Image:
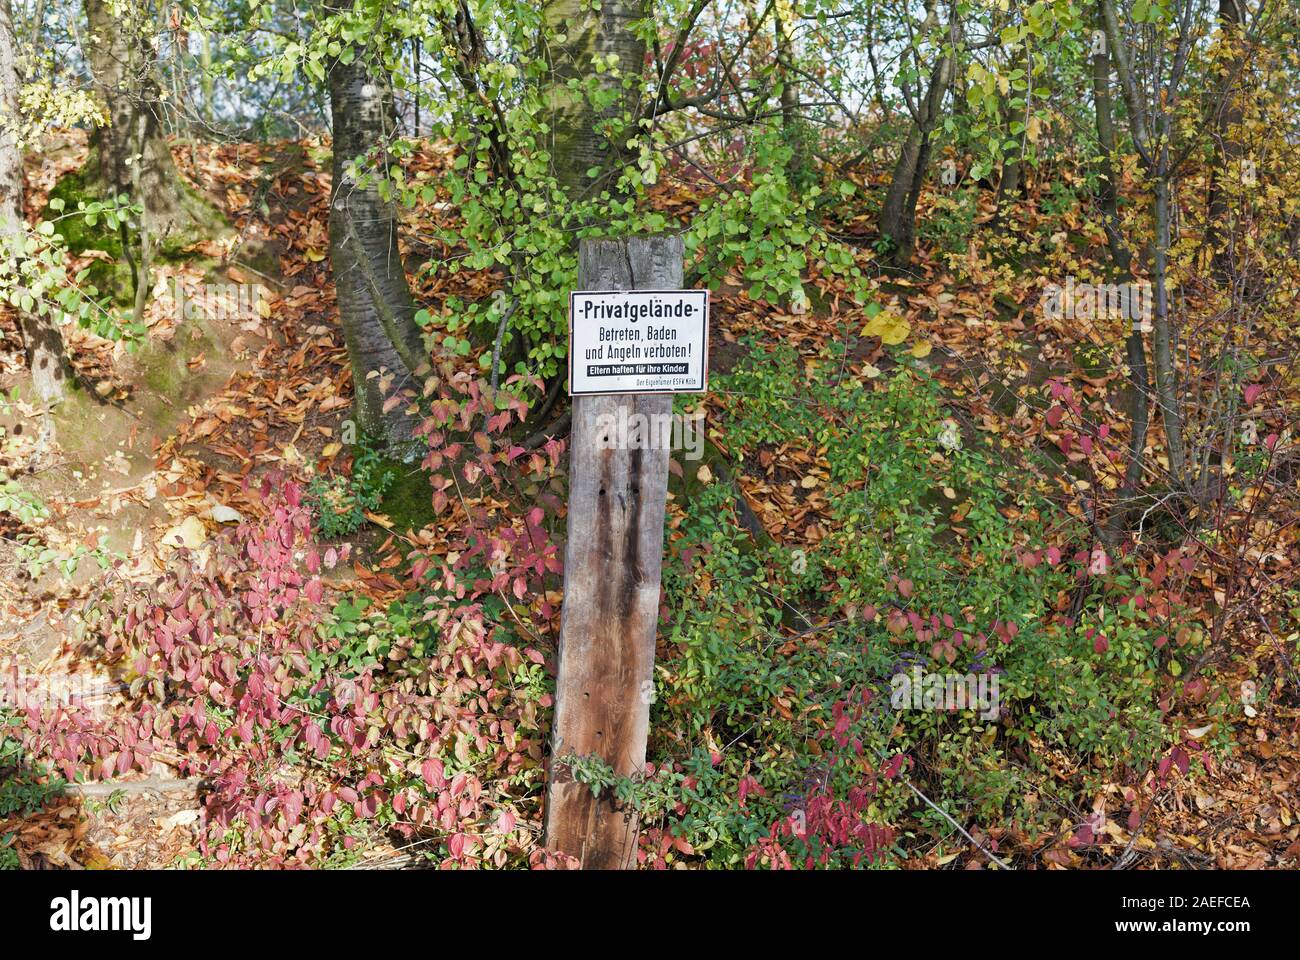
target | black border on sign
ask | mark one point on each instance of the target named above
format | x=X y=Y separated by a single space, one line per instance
x=704 y=381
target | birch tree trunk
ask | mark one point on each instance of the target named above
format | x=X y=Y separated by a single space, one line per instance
x=42 y=340
x=792 y=125
x=375 y=306
x=584 y=137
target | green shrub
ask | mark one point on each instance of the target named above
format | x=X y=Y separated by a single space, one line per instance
x=25 y=787
x=339 y=504
x=779 y=664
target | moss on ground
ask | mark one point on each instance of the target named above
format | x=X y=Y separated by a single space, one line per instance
x=408 y=501
x=112 y=276
x=88 y=426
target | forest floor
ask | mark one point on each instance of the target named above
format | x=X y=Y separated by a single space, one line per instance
x=162 y=444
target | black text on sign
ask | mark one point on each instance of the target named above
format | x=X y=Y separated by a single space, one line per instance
x=638 y=341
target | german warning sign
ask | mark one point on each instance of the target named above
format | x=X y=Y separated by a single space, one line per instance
x=638 y=341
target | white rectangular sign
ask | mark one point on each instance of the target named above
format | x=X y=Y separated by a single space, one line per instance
x=638 y=341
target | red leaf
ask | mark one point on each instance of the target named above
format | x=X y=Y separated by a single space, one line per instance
x=431 y=770
x=456 y=845
x=367 y=808
x=747 y=786
x=1098 y=562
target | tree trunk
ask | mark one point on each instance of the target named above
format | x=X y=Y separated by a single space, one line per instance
x=208 y=109
x=375 y=306
x=580 y=141
x=898 y=215
x=1227 y=126
x=584 y=139
x=1166 y=370
x=42 y=340
x=1009 y=180
x=1122 y=259
x=132 y=151
x=897 y=223
x=792 y=125
x=1152 y=143
x=1107 y=194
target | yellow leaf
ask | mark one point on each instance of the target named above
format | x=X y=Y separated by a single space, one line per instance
x=889 y=327
x=921 y=349
x=808 y=482
x=314 y=255
x=331 y=449
x=190 y=533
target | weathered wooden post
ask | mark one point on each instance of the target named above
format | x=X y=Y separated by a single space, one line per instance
x=617 y=494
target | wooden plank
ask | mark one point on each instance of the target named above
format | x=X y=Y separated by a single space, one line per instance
x=612 y=566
